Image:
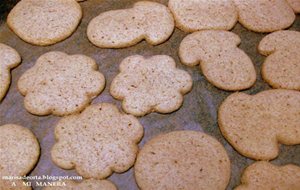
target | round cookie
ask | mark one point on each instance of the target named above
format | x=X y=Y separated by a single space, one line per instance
x=265 y=15
x=88 y=184
x=126 y=27
x=19 y=152
x=182 y=160
x=44 y=22
x=194 y=15
x=9 y=58
x=60 y=84
x=281 y=68
x=151 y=84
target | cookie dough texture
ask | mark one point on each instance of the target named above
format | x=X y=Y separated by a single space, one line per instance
x=265 y=15
x=281 y=68
x=88 y=184
x=151 y=84
x=60 y=84
x=221 y=61
x=97 y=142
x=264 y=175
x=9 y=58
x=255 y=124
x=194 y=15
x=182 y=160
x=126 y=27
x=295 y=4
x=44 y=22
x=19 y=152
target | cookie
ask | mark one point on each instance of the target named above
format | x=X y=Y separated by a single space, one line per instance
x=19 y=152
x=97 y=142
x=44 y=22
x=88 y=184
x=182 y=160
x=221 y=61
x=281 y=68
x=126 y=27
x=264 y=175
x=295 y=4
x=9 y=58
x=265 y=15
x=151 y=84
x=191 y=16
x=60 y=84
x=255 y=124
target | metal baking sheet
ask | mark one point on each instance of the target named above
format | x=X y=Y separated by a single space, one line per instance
x=199 y=110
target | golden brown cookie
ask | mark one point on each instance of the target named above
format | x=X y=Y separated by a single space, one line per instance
x=264 y=175
x=281 y=68
x=151 y=84
x=9 y=58
x=255 y=124
x=60 y=84
x=221 y=61
x=182 y=160
x=44 y=22
x=97 y=142
x=126 y=27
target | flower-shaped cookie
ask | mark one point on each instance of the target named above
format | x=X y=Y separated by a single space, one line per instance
x=60 y=84
x=9 y=58
x=97 y=142
x=264 y=175
x=255 y=125
x=221 y=61
x=281 y=68
x=152 y=84
x=122 y=28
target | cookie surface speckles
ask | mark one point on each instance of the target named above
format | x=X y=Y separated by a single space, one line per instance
x=221 y=61
x=44 y=22
x=295 y=4
x=126 y=27
x=281 y=68
x=97 y=142
x=150 y=84
x=255 y=125
x=19 y=152
x=60 y=84
x=9 y=58
x=264 y=175
x=265 y=15
x=194 y=15
x=182 y=160
x=88 y=184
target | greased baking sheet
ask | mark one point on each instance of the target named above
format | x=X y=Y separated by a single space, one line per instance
x=199 y=110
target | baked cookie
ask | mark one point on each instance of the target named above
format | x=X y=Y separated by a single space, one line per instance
x=150 y=84
x=295 y=4
x=97 y=142
x=194 y=15
x=19 y=152
x=265 y=15
x=182 y=160
x=255 y=125
x=281 y=68
x=60 y=84
x=88 y=184
x=126 y=27
x=264 y=175
x=44 y=22
x=9 y=58
x=221 y=61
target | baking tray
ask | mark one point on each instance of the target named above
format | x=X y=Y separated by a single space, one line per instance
x=199 y=110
